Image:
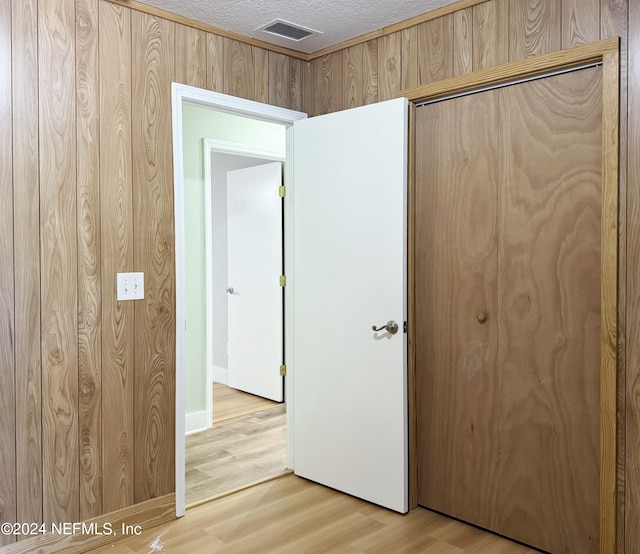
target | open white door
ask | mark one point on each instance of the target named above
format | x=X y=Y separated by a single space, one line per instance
x=349 y=197
x=254 y=214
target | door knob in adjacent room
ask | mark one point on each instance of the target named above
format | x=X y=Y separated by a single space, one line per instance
x=230 y=290
x=391 y=327
x=482 y=317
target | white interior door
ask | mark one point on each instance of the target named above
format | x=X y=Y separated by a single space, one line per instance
x=349 y=197
x=254 y=212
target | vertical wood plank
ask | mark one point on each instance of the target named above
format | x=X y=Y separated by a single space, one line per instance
x=435 y=49
x=490 y=34
x=298 y=71
x=215 y=62
x=370 y=72
x=409 y=57
x=191 y=56
x=352 y=67
x=457 y=375
x=7 y=364
x=580 y=22
x=261 y=74
x=632 y=492
x=58 y=243
x=26 y=206
x=551 y=310
x=279 y=79
x=463 y=41
x=327 y=83
x=534 y=28
x=239 y=76
x=389 y=66
x=154 y=385
x=89 y=293
x=614 y=21
x=116 y=215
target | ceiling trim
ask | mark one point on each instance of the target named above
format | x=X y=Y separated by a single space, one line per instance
x=170 y=16
x=385 y=31
x=401 y=26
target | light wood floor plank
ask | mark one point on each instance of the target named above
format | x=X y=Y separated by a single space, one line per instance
x=229 y=403
x=246 y=444
x=292 y=515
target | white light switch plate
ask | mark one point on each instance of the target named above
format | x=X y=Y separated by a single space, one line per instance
x=130 y=286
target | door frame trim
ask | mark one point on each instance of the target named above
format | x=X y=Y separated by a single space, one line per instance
x=181 y=94
x=605 y=53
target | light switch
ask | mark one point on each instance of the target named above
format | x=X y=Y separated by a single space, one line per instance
x=130 y=286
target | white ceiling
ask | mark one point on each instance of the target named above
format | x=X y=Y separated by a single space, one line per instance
x=338 y=20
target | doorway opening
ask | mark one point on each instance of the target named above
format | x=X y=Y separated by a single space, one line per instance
x=245 y=132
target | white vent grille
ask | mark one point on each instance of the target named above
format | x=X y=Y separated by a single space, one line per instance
x=287 y=30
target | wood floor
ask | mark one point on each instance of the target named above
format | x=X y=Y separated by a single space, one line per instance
x=292 y=515
x=246 y=444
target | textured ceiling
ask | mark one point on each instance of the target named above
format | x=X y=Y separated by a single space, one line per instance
x=338 y=20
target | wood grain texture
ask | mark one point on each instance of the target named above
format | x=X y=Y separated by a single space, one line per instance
x=490 y=34
x=360 y=75
x=409 y=58
x=580 y=22
x=89 y=275
x=7 y=317
x=117 y=244
x=614 y=21
x=463 y=41
x=261 y=75
x=389 y=66
x=456 y=355
x=435 y=49
x=298 y=72
x=191 y=56
x=59 y=255
x=550 y=309
x=154 y=330
x=215 y=62
x=26 y=255
x=146 y=515
x=609 y=308
x=239 y=76
x=534 y=28
x=292 y=515
x=326 y=84
x=279 y=80
x=632 y=484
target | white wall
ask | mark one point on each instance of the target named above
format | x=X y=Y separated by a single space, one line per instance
x=200 y=123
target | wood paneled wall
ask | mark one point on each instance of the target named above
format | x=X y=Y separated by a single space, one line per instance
x=87 y=384
x=490 y=33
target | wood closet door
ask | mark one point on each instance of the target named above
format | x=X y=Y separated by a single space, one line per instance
x=535 y=403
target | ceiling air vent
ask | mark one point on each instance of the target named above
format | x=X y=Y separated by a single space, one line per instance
x=287 y=30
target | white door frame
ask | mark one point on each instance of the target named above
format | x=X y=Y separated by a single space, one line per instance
x=255 y=110
x=223 y=147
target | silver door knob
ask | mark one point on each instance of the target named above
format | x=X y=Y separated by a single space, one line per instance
x=391 y=327
x=230 y=290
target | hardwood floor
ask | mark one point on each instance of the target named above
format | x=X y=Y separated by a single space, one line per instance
x=229 y=403
x=246 y=444
x=292 y=515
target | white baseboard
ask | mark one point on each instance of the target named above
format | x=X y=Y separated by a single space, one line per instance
x=221 y=375
x=196 y=422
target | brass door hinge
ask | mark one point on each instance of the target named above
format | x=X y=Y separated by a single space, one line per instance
x=283 y=370
x=282 y=191
x=283 y=280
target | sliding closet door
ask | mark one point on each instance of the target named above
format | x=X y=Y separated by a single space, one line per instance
x=456 y=306
x=508 y=202
x=549 y=295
